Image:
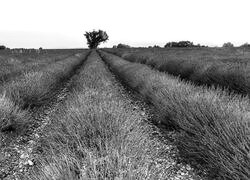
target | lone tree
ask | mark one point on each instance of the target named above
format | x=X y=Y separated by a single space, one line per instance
x=94 y=38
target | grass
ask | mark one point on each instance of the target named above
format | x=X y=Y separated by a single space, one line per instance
x=213 y=127
x=33 y=89
x=98 y=133
x=226 y=68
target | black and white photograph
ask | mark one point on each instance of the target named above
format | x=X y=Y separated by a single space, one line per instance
x=125 y=90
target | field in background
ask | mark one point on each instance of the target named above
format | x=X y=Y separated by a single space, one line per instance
x=16 y=62
x=227 y=68
x=176 y=113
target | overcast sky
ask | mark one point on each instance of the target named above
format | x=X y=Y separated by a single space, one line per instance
x=61 y=23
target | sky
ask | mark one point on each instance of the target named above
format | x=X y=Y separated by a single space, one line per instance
x=62 y=23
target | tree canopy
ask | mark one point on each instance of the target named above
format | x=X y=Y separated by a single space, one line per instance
x=94 y=38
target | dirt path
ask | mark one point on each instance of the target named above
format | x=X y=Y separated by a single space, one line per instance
x=16 y=155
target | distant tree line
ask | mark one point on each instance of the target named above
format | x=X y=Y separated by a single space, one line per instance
x=231 y=45
x=155 y=46
x=245 y=45
x=23 y=50
x=121 y=46
x=191 y=44
x=182 y=44
x=228 y=45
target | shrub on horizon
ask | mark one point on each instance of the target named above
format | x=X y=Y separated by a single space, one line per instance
x=156 y=46
x=228 y=45
x=180 y=44
x=2 y=47
x=123 y=46
x=245 y=45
